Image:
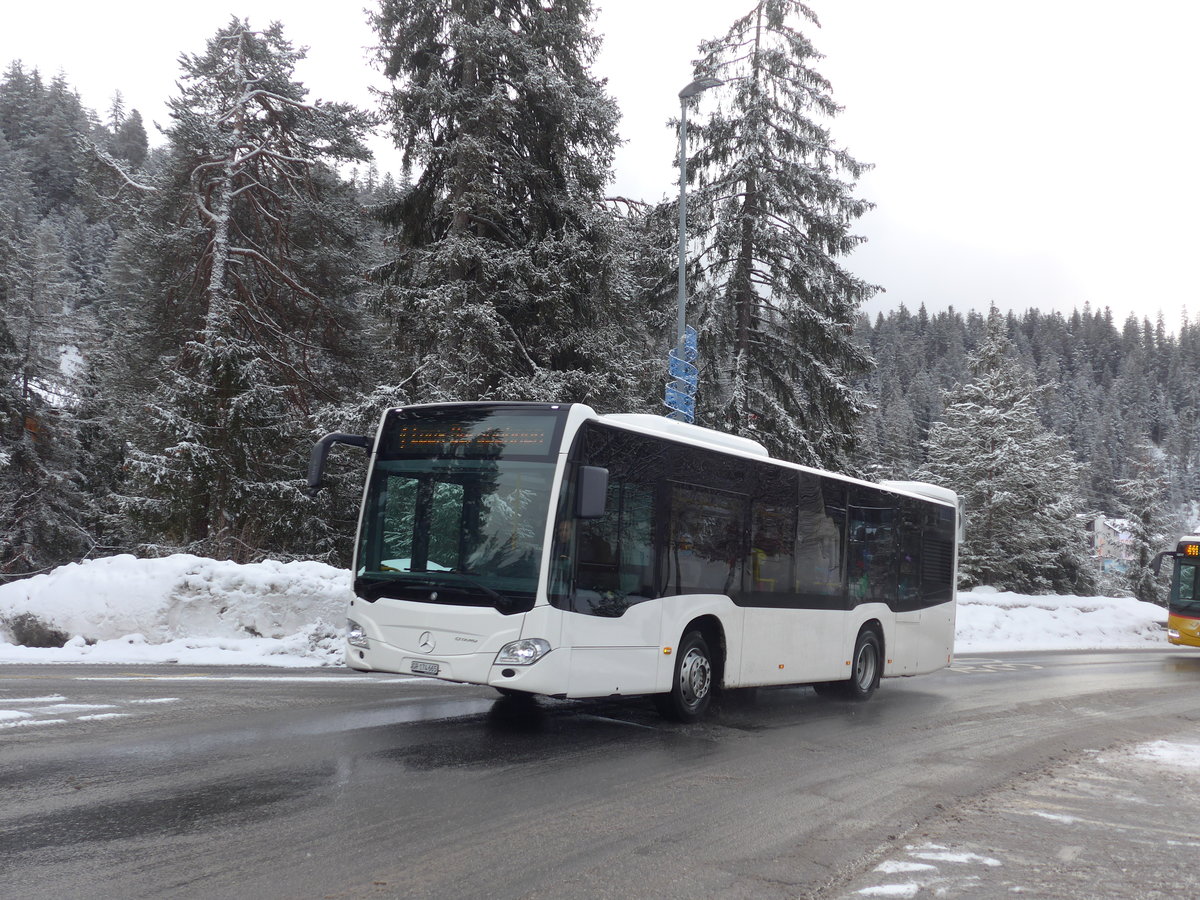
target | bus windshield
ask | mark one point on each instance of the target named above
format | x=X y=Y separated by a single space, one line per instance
x=1185 y=589
x=456 y=507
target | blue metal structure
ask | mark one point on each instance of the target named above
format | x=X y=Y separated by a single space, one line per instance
x=681 y=389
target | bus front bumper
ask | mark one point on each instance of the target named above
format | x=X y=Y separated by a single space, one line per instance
x=1183 y=631
x=548 y=675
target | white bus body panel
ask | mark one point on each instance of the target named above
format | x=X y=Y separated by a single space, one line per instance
x=614 y=655
x=629 y=654
x=679 y=612
x=594 y=656
x=781 y=646
x=902 y=642
x=919 y=641
x=936 y=637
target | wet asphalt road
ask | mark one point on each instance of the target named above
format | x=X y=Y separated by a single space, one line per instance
x=182 y=782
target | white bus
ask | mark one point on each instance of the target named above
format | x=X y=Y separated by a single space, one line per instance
x=545 y=549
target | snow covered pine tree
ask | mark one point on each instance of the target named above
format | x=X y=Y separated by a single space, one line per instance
x=247 y=291
x=509 y=277
x=773 y=307
x=1018 y=479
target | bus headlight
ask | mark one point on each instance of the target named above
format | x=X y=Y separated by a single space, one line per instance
x=522 y=653
x=355 y=636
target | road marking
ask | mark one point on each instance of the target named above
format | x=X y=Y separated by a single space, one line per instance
x=51 y=698
x=20 y=723
x=200 y=676
x=613 y=721
x=974 y=666
x=50 y=709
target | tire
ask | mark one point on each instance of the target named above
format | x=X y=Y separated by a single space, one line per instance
x=692 y=685
x=865 y=670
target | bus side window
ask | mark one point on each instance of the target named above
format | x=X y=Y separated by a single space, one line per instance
x=908 y=584
x=596 y=551
x=772 y=533
x=873 y=557
x=937 y=556
x=820 y=534
x=637 y=541
x=706 y=547
x=615 y=553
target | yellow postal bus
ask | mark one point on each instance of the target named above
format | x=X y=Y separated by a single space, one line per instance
x=1183 y=607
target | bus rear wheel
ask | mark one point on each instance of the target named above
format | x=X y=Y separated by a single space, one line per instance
x=866 y=667
x=692 y=686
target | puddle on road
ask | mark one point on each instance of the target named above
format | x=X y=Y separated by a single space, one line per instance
x=234 y=801
x=1182 y=665
x=518 y=731
x=515 y=731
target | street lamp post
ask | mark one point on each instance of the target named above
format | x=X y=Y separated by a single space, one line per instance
x=681 y=387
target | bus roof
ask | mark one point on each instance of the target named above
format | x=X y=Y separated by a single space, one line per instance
x=932 y=491
x=718 y=440
x=688 y=431
x=1189 y=545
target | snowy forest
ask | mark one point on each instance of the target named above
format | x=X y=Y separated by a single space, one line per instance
x=180 y=318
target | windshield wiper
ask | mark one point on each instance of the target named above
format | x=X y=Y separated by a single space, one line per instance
x=499 y=601
x=372 y=590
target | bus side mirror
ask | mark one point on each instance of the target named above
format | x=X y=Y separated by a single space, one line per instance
x=1158 y=560
x=320 y=450
x=591 y=492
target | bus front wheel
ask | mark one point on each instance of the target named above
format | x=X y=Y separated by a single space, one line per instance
x=866 y=667
x=692 y=685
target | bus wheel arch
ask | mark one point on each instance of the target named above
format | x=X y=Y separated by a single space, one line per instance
x=877 y=627
x=698 y=671
x=866 y=666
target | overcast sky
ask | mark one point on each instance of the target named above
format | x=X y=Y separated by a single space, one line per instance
x=1031 y=153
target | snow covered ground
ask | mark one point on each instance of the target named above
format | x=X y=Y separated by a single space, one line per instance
x=195 y=611
x=184 y=609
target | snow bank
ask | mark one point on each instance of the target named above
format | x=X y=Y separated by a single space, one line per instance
x=195 y=611
x=991 y=621
x=181 y=608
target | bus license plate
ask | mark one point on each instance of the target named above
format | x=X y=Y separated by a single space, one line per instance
x=424 y=668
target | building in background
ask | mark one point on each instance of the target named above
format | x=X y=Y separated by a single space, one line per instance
x=1112 y=543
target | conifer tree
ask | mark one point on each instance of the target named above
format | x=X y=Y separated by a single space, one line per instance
x=17 y=219
x=43 y=511
x=1151 y=526
x=129 y=140
x=1018 y=479
x=774 y=306
x=507 y=279
x=249 y=272
x=51 y=255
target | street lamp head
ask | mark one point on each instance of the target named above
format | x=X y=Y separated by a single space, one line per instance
x=700 y=84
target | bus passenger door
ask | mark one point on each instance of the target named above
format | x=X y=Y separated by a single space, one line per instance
x=612 y=624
